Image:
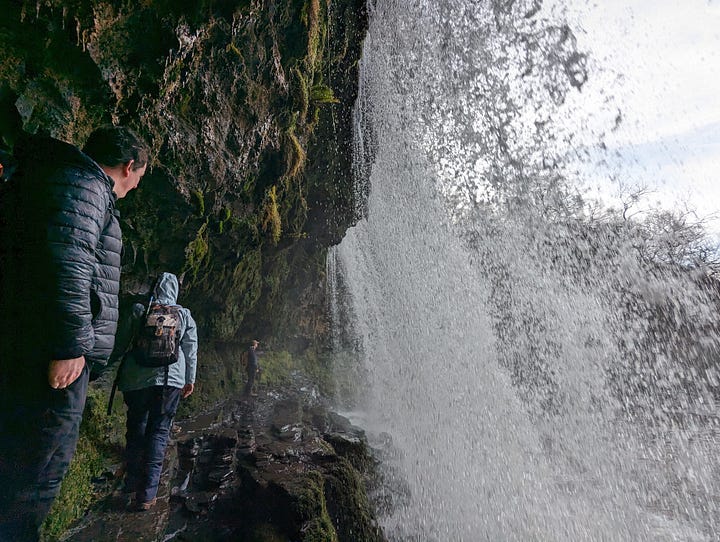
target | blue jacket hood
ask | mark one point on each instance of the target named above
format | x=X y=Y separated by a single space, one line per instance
x=134 y=376
x=166 y=291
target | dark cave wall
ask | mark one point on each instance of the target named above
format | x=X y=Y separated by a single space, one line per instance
x=247 y=107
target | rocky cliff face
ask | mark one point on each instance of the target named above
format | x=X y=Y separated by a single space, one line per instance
x=247 y=106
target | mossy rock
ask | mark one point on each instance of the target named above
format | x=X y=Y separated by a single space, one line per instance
x=309 y=508
x=348 y=505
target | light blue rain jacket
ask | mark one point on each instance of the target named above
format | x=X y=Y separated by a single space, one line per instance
x=135 y=377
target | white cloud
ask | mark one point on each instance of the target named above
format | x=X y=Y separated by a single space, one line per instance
x=660 y=65
x=669 y=55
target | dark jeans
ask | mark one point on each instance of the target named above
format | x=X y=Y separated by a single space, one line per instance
x=38 y=435
x=149 y=418
x=252 y=372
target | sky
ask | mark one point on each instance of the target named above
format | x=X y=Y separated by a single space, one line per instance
x=659 y=65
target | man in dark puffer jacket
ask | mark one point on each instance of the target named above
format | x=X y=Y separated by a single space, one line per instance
x=60 y=280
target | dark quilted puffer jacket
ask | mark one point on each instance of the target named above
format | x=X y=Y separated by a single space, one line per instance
x=63 y=272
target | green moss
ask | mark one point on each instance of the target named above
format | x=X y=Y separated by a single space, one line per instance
x=296 y=156
x=231 y=47
x=277 y=368
x=220 y=375
x=321 y=94
x=248 y=185
x=76 y=493
x=301 y=93
x=299 y=217
x=311 y=507
x=197 y=252
x=106 y=432
x=316 y=117
x=100 y=444
x=199 y=202
x=319 y=367
x=275 y=280
x=225 y=219
x=245 y=281
x=271 y=222
x=246 y=278
x=348 y=504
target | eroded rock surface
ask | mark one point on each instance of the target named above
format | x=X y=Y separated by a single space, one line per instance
x=275 y=467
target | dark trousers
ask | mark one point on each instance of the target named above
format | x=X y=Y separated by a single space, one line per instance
x=38 y=435
x=251 y=372
x=149 y=419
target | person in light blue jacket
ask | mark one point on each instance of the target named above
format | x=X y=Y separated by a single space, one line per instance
x=152 y=396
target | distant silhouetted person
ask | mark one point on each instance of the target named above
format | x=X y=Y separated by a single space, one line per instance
x=60 y=250
x=252 y=368
x=158 y=369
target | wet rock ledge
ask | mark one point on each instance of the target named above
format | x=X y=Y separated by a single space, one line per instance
x=278 y=467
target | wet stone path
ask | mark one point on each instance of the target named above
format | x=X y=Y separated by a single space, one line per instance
x=276 y=467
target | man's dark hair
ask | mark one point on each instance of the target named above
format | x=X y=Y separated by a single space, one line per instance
x=115 y=145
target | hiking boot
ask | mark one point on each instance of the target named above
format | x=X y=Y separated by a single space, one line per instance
x=145 y=506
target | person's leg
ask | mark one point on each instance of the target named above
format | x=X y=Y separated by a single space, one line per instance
x=44 y=437
x=61 y=435
x=250 y=381
x=138 y=407
x=16 y=477
x=163 y=407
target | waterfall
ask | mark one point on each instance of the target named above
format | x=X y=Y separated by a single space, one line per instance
x=545 y=368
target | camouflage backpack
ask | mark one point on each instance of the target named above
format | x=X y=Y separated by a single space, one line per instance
x=157 y=342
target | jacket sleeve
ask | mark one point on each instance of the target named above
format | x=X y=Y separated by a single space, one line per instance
x=78 y=204
x=189 y=345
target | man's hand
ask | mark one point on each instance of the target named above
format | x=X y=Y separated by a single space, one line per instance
x=63 y=372
x=187 y=390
